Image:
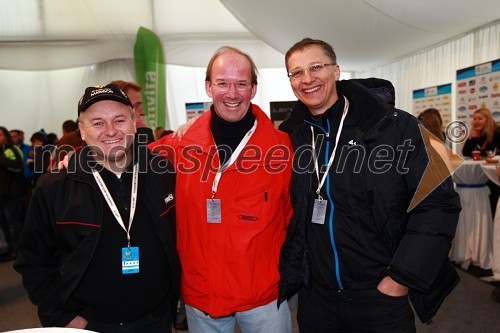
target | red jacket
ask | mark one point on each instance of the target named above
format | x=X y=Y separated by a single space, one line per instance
x=233 y=265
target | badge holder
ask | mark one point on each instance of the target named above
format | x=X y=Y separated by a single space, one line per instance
x=319 y=211
x=130 y=260
x=214 y=210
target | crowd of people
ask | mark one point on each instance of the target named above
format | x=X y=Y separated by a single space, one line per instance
x=21 y=165
x=232 y=216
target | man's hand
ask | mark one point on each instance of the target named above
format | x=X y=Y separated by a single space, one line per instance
x=77 y=322
x=63 y=164
x=179 y=132
x=391 y=288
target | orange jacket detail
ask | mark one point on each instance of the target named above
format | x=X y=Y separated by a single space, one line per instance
x=233 y=265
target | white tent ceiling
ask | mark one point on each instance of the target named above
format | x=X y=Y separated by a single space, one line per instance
x=364 y=33
x=55 y=34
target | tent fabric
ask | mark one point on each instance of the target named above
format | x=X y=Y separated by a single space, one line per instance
x=364 y=33
x=438 y=65
x=58 y=34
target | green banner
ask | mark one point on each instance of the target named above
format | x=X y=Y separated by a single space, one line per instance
x=150 y=74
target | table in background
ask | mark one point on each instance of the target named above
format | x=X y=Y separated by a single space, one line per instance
x=473 y=238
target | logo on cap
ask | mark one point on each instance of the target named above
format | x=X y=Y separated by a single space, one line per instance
x=101 y=91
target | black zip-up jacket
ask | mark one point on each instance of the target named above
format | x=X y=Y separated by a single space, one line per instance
x=63 y=226
x=12 y=184
x=371 y=223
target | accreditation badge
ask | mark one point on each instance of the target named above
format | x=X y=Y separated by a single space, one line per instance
x=213 y=211
x=319 y=211
x=130 y=260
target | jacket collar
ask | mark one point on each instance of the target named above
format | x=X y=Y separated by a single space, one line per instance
x=367 y=109
x=199 y=136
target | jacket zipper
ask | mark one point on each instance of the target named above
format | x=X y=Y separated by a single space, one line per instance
x=331 y=205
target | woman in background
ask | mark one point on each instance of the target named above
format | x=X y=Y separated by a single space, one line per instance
x=484 y=136
x=431 y=119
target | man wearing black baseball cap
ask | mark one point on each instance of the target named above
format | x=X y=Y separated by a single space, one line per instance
x=101 y=93
x=98 y=246
x=107 y=125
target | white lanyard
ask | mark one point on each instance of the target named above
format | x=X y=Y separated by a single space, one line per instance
x=330 y=162
x=111 y=202
x=233 y=158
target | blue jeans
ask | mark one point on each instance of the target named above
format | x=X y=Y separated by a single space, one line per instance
x=263 y=319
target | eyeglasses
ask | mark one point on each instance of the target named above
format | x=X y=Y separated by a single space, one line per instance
x=240 y=85
x=299 y=72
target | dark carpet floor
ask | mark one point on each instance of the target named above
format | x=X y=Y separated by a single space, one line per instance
x=468 y=309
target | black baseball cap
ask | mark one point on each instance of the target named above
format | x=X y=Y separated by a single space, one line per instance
x=101 y=93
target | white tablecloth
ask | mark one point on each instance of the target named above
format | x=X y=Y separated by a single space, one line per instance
x=490 y=170
x=473 y=239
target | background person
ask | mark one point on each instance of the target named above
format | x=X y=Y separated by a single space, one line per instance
x=158 y=131
x=52 y=139
x=29 y=175
x=484 y=135
x=12 y=191
x=18 y=139
x=69 y=142
x=352 y=242
x=144 y=133
x=432 y=121
x=39 y=162
x=165 y=133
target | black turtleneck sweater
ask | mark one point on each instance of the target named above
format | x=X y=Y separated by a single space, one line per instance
x=228 y=135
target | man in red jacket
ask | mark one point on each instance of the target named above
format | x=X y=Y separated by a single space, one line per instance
x=233 y=206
